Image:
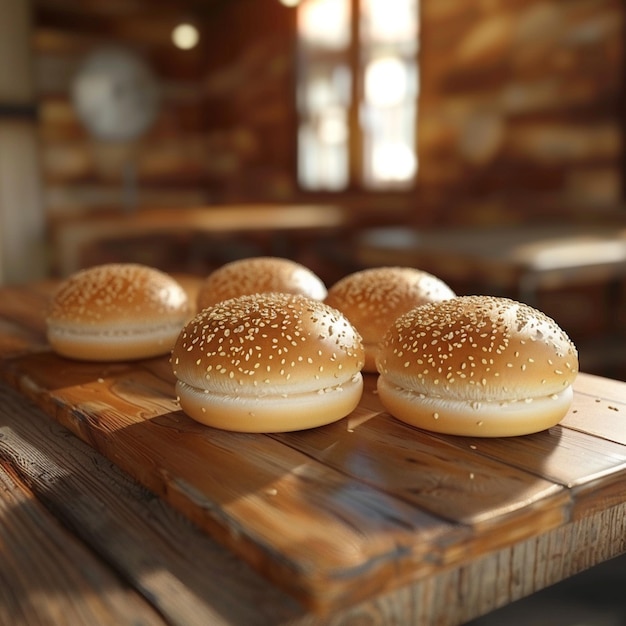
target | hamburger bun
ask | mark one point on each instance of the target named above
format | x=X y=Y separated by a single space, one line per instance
x=479 y=366
x=259 y=275
x=372 y=299
x=116 y=312
x=268 y=363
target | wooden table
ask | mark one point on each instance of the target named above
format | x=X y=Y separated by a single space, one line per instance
x=516 y=259
x=73 y=235
x=115 y=508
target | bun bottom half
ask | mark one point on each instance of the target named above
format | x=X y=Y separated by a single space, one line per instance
x=270 y=413
x=113 y=346
x=474 y=419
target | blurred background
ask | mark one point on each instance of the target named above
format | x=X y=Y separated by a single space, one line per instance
x=480 y=140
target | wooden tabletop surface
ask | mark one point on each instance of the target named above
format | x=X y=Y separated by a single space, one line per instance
x=146 y=517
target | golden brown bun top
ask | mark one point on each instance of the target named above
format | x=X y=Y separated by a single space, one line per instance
x=264 y=343
x=373 y=298
x=259 y=275
x=118 y=294
x=478 y=348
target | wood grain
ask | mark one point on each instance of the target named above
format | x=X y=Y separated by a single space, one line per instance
x=424 y=470
x=171 y=563
x=189 y=579
x=39 y=573
x=600 y=408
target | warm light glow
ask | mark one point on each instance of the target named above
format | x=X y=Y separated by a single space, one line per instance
x=319 y=93
x=185 y=36
x=290 y=3
x=386 y=82
x=325 y=23
x=393 y=162
x=390 y=20
x=332 y=128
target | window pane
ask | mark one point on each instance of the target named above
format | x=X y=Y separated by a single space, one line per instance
x=324 y=93
x=388 y=121
x=388 y=40
x=322 y=84
x=389 y=21
x=386 y=81
x=323 y=153
x=389 y=154
x=324 y=23
x=323 y=102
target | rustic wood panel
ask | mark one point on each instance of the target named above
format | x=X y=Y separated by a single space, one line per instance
x=169 y=161
x=515 y=105
x=607 y=402
x=46 y=573
x=189 y=579
x=432 y=473
x=171 y=563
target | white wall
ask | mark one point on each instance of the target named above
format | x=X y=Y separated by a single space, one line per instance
x=22 y=223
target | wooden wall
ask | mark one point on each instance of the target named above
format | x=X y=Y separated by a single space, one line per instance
x=520 y=111
x=249 y=99
x=81 y=174
x=22 y=224
x=522 y=107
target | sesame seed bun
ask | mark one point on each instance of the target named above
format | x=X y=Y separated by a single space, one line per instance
x=259 y=275
x=268 y=363
x=477 y=365
x=372 y=299
x=116 y=312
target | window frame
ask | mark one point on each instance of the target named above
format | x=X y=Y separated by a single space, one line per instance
x=353 y=56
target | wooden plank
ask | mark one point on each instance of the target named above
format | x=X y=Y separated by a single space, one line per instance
x=600 y=387
x=21 y=319
x=174 y=565
x=456 y=595
x=185 y=574
x=210 y=221
x=14 y=339
x=425 y=470
x=593 y=469
x=560 y=455
x=26 y=305
x=46 y=573
x=600 y=408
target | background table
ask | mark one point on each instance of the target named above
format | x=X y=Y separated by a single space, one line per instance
x=518 y=259
x=284 y=225
x=146 y=516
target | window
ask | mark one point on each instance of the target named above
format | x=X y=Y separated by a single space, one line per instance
x=357 y=94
